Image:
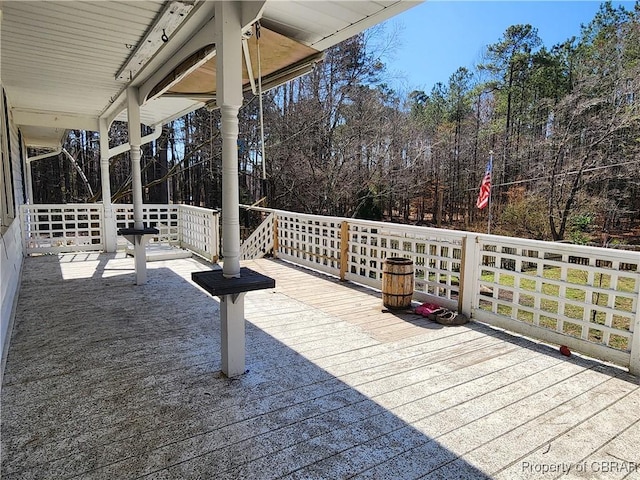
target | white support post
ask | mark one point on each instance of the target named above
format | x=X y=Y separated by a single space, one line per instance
x=29 y=173
x=468 y=274
x=229 y=98
x=140 y=258
x=232 y=334
x=228 y=39
x=110 y=231
x=214 y=239
x=135 y=139
x=139 y=240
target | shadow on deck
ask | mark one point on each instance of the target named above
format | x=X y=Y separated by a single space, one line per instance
x=105 y=379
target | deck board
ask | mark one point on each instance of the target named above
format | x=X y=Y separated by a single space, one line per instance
x=105 y=379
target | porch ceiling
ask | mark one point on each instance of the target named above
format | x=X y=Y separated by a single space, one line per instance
x=60 y=59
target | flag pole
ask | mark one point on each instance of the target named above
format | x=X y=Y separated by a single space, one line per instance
x=490 y=194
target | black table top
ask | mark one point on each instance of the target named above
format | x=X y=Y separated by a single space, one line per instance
x=216 y=284
x=138 y=231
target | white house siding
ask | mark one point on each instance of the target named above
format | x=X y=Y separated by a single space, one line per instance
x=11 y=253
x=11 y=250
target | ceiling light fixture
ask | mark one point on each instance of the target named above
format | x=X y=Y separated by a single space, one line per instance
x=166 y=23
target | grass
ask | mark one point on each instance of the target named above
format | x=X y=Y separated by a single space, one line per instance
x=561 y=304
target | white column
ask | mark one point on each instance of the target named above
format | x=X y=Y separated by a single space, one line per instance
x=229 y=99
x=140 y=258
x=232 y=334
x=135 y=139
x=468 y=274
x=228 y=38
x=29 y=180
x=110 y=231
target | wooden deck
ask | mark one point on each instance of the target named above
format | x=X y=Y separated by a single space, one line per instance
x=109 y=380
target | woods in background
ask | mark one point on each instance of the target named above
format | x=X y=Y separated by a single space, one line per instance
x=563 y=123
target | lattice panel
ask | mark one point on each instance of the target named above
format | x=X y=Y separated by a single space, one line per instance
x=310 y=240
x=436 y=255
x=587 y=293
x=199 y=231
x=62 y=228
x=260 y=242
x=162 y=217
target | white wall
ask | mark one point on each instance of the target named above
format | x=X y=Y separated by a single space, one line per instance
x=10 y=268
x=11 y=248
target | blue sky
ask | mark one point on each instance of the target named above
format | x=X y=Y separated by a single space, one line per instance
x=438 y=36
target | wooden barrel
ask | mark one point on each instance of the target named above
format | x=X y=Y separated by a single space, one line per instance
x=397 y=283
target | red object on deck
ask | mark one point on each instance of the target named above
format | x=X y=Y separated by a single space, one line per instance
x=565 y=351
x=427 y=308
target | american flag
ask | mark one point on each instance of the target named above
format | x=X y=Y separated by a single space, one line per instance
x=485 y=187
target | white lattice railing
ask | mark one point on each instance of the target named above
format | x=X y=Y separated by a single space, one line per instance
x=260 y=242
x=62 y=228
x=200 y=231
x=436 y=254
x=309 y=240
x=162 y=217
x=583 y=297
x=75 y=227
x=316 y=241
